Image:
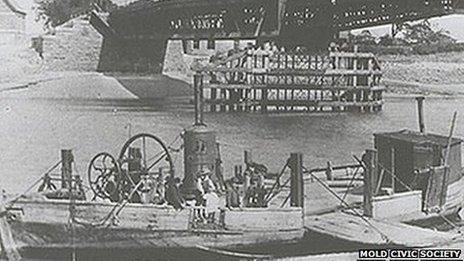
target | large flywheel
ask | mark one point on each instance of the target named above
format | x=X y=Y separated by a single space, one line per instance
x=144 y=159
x=103 y=174
x=144 y=155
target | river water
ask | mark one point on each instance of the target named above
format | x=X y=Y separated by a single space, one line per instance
x=33 y=131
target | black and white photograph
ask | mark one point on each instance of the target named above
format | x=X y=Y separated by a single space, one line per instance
x=290 y=130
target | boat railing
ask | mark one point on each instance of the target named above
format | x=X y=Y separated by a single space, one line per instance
x=338 y=173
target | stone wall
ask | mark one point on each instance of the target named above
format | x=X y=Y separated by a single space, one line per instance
x=75 y=46
x=140 y=56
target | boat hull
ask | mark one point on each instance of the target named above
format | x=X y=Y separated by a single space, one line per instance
x=46 y=224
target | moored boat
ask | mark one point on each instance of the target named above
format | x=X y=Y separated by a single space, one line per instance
x=138 y=201
x=410 y=179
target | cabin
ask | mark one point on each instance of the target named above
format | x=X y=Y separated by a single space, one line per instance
x=410 y=174
x=414 y=151
x=12 y=22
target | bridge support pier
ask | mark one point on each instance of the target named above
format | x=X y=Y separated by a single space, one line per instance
x=132 y=55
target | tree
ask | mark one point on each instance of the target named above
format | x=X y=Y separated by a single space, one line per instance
x=56 y=12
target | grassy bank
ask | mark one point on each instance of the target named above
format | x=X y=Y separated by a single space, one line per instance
x=441 y=73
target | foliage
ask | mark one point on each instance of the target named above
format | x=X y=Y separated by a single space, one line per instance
x=57 y=12
x=416 y=38
x=365 y=37
x=422 y=33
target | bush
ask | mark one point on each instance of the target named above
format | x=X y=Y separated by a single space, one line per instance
x=415 y=39
x=57 y=12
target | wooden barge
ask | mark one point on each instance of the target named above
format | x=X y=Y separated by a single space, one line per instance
x=136 y=201
x=46 y=224
x=411 y=180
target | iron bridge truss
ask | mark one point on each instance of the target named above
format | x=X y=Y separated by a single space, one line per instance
x=253 y=19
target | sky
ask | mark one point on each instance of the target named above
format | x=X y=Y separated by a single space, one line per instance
x=452 y=23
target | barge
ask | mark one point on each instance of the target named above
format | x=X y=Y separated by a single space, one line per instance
x=411 y=181
x=137 y=200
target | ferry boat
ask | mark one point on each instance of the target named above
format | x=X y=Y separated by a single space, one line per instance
x=138 y=201
x=411 y=181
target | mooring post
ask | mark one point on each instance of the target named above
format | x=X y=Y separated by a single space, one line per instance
x=370 y=162
x=296 y=181
x=247 y=157
x=420 y=111
x=198 y=98
x=329 y=171
x=66 y=168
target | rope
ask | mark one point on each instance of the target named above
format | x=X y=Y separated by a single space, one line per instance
x=233 y=145
x=410 y=189
x=284 y=185
x=15 y=199
x=351 y=183
x=273 y=193
x=170 y=148
x=114 y=212
x=384 y=236
x=174 y=141
x=286 y=200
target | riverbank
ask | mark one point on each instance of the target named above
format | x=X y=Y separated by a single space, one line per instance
x=434 y=74
x=441 y=73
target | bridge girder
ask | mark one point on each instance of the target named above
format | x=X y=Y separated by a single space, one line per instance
x=287 y=20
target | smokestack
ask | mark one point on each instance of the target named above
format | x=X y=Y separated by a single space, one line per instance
x=198 y=99
x=420 y=110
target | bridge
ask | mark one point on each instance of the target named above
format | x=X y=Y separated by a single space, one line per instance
x=146 y=25
x=296 y=20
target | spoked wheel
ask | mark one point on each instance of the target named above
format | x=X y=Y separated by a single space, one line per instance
x=103 y=174
x=144 y=154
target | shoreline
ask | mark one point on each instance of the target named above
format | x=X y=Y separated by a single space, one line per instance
x=37 y=82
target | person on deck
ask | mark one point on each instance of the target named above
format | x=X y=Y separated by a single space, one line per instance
x=203 y=183
x=173 y=196
x=212 y=205
x=232 y=195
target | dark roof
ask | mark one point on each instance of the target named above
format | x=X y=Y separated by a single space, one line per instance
x=14 y=6
x=417 y=137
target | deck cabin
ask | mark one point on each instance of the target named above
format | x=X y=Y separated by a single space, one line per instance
x=412 y=152
x=411 y=176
